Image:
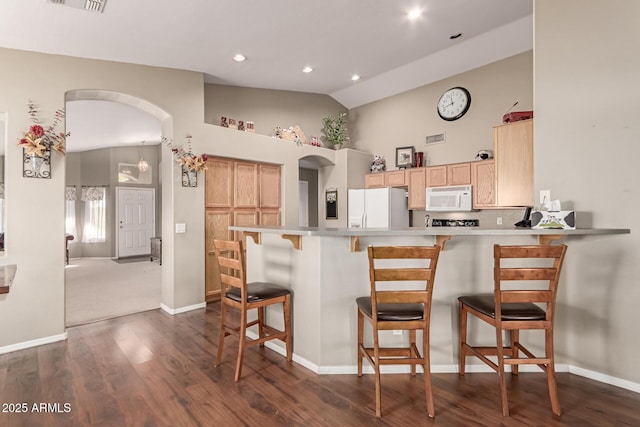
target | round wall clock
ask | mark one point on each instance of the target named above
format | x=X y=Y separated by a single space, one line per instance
x=454 y=103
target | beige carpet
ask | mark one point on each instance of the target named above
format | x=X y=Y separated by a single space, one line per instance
x=98 y=289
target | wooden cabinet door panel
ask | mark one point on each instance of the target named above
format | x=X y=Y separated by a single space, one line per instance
x=269 y=186
x=216 y=227
x=374 y=180
x=218 y=183
x=395 y=179
x=416 y=186
x=483 y=179
x=246 y=185
x=270 y=218
x=513 y=148
x=459 y=174
x=436 y=176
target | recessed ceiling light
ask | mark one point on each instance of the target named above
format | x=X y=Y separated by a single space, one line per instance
x=355 y=77
x=239 y=57
x=414 y=14
x=455 y=36
x=307 y=69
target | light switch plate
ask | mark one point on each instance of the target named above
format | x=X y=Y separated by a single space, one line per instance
x=181 y=228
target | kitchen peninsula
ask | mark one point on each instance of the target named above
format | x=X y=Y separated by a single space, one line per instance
x=327 y=270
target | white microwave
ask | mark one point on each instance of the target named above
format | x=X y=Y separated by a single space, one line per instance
x=449 y=199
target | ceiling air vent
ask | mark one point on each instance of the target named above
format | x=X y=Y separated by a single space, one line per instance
x=435 y=139
x=90 y=5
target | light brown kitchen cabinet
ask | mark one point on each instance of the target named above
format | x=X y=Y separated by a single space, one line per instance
x=446 y=175
x=416 y=185
x=245 y=185
x=236 y=193
x=395 y=178
x=436 y=176
x=459 y=174
x=513 y=151
x=269 y=186
x=374 y=180
x=483 y=179
x=219 y=195
x=216 y=226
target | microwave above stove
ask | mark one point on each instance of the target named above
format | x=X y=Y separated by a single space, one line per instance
x=449 y=199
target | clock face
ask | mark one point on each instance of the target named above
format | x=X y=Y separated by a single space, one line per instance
x=454 y=103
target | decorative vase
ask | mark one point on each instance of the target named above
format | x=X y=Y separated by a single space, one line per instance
x=34 y=166
x=337 y=146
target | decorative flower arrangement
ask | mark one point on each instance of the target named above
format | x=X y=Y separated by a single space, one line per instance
x=185 y=157
x=38 y=139
x=335 y=130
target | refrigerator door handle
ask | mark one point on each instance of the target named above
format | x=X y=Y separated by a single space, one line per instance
x=364 y=219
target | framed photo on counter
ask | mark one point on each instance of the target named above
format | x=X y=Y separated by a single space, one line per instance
x=404 y=157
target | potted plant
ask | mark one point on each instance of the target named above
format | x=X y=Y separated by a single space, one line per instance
x=335 y=130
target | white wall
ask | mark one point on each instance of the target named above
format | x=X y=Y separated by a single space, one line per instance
x=587 y=146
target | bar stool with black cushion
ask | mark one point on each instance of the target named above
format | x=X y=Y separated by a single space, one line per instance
x=400 y=299
x=243 y=296
x=520 y=305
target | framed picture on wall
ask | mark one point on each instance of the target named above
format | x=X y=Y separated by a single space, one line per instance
x=404 y=157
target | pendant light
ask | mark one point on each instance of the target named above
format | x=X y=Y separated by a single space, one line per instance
x=142 y=164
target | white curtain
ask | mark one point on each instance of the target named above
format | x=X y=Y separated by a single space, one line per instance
x=94 y=230
x=70 y=217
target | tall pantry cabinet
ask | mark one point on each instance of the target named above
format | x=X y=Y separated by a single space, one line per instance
x=236 y=193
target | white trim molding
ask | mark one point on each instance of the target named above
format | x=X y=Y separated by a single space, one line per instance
x=174 y=311
x=33 y=343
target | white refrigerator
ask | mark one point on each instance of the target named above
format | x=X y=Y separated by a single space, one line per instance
x=378 y=208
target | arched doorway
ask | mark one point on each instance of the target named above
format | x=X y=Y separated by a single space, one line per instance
x=109 y=288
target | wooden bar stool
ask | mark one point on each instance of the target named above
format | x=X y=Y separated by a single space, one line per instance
x=515 y=309
x=243 y=296
x=398 y=305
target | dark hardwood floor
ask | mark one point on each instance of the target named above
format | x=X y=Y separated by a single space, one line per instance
x=153 y=369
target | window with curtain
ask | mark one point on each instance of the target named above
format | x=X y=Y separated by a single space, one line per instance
x=94 y=228
x=70 y=216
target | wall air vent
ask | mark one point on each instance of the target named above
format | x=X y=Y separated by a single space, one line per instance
x=90 y=5
x=435 y=139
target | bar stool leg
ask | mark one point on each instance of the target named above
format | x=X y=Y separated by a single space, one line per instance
x=242 y=340
x=286 y=307
x=360 y=341
x=463 y=340
x=427 y=373
x=223 y=332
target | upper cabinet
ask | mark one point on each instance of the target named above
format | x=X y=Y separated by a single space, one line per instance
x=385 y=179
x=445 y=175
x=513 y=151
x=269 y=186
x=374 y=180
x=246 y=185
x=416 y=184
x=483 y=179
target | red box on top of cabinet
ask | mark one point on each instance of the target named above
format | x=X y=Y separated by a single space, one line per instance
x=517 y=116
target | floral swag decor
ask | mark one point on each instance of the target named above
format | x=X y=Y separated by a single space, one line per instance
x=38 y=139
x=186 y=158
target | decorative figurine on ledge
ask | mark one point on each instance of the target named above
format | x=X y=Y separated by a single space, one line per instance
x=379 y=164
x=241 y=125
x=223 y=122
x=232 y=124
x=250 y=127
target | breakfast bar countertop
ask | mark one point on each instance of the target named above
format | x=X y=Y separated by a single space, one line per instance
x=424 y=231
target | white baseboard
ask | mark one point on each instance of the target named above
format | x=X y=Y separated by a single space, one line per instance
x=603 y=378
x=33 y=343
x=174 y=311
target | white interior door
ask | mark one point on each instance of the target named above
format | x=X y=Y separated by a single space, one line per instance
x=135 y=221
